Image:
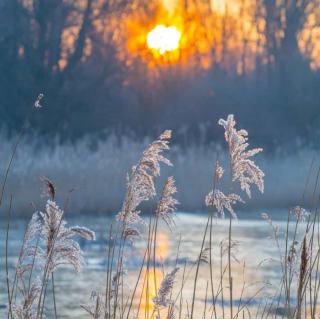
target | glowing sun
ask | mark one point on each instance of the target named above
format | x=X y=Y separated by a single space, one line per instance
x=164 y=39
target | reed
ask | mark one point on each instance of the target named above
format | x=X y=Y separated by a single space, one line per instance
x=49 y=243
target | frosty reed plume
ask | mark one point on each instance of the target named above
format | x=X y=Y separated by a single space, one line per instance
x=48 y=244
x=140 y=183
x=243 y=169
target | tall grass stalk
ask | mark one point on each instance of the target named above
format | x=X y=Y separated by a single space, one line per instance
x=6 y=260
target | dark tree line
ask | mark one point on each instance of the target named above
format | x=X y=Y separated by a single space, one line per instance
x=67 y=50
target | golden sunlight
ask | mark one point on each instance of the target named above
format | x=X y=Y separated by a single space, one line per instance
x=147 y=291
x=224 y=33
x=164 y=39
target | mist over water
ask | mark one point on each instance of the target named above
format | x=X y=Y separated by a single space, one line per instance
x=93 y=178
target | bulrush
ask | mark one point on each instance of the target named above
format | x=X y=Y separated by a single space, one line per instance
x=243 y=168
x=304 y=262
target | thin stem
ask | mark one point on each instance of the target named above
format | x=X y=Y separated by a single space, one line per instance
x=6 y=260
x=10 y=164
x=54 y=297
x=108 y=271
x=15 y=147
x=229 y=269
x=197 y=269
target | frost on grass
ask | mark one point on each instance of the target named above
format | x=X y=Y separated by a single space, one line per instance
x=84 y=232
x=222 y=202
x=292 y=254
x=300 y=213
x=140 y=185
x=48 y=243
x=219 y=171
x=25 y=307
x=30 y=247
x=275 y=228
x=61 y=248
x=167 y=203
x=244 y=169
x=96 y=309
x=162 y=298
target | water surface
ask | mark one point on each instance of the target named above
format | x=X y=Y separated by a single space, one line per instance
x=255 y=266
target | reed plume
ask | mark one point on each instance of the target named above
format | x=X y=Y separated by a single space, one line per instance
x=140 y=185
x=244 y=169
x=300 y=213
x=58 y=240
x=222 y=202
x=275 y=227
x=167 y=204
x=48 y=244
x=162 y=298
x=30 y=246
x=25 y=307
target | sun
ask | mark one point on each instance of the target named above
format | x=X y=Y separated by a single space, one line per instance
x=164 y=39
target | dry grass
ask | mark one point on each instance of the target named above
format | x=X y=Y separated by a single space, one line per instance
x=49 y=243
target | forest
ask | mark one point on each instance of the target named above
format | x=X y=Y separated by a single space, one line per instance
x=257 y=59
